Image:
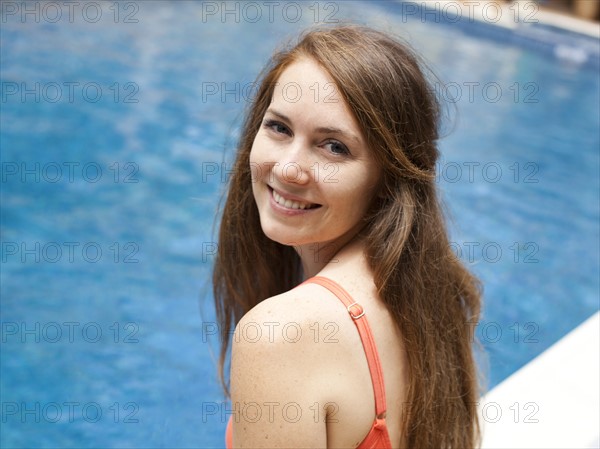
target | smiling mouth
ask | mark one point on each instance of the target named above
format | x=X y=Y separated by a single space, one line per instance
x=292 y=204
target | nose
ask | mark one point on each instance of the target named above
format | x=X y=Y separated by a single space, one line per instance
x=294 y=167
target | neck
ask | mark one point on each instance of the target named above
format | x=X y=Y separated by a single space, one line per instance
x=315 y=256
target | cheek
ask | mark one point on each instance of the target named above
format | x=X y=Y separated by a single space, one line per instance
x=357 y=197
x=256 y=161
x=359 y=182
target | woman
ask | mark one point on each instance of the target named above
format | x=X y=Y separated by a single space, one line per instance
x=334 y=185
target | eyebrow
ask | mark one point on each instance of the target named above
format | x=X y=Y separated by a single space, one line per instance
x=320 y=129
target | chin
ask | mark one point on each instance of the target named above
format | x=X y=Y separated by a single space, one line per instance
x=282 y=238
x=275 y=233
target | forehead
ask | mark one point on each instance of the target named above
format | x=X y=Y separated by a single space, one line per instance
x=305 y=90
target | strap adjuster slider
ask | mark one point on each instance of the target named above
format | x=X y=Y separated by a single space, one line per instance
x=361 y=310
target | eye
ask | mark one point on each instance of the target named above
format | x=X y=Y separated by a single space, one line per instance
x=277 y=127
x=337 y=147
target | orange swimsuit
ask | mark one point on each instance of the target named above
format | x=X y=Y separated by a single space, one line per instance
x=378 y=437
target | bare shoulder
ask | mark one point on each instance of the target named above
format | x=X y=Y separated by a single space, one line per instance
x=281 y=355
x=290 y=324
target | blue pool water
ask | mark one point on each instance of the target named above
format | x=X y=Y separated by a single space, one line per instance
x=107 y=241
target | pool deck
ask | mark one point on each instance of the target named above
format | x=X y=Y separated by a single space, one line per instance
x=553 y=401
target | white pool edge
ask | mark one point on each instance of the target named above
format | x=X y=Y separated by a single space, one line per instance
x=553 y=401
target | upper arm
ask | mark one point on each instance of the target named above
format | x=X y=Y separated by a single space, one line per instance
x=275 y=392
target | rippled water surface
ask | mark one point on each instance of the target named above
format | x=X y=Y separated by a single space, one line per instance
x=106 y=241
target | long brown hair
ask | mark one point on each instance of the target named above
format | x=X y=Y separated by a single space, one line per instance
x=433 y=299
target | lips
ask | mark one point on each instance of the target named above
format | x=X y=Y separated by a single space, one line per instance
x=292 y=203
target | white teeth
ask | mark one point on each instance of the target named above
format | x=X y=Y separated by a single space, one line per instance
x=288 y=203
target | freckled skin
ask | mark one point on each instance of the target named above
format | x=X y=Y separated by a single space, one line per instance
x=328 y=377
x=296 y=159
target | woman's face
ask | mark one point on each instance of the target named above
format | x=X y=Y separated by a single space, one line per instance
x=313 y=176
